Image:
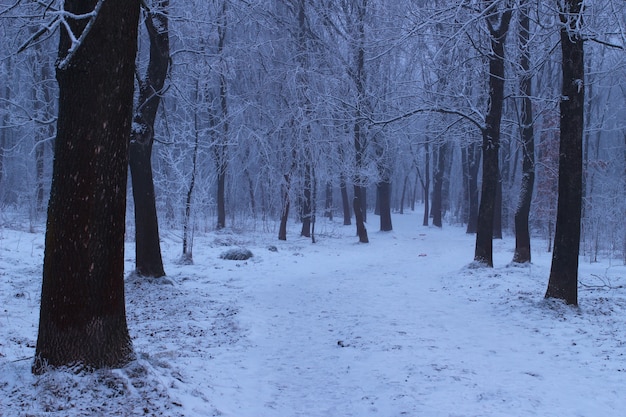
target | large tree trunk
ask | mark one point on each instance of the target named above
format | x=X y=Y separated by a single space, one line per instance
x=83 y=315
x=148 y=259
x=491 y=141
x=563 y=282
x=522 y=233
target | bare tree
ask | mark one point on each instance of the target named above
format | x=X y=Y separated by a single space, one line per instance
x=83 y=315
x=148 y=257
x=498 y=26
x=563 y=282
x=522 y=233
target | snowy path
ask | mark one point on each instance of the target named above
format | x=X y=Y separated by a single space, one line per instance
x=380 y=330
x=397 y=327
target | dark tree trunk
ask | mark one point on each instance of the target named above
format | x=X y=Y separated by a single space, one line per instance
x=426 y=186
x=345 y=202
x=491 y=140
x=221 y=197
x=361 y=231
x=284 y=216
x=563 y=282
x=473 y=155
x=148 y=259
x=221 y=148
x=384 y=199
x=83 y=313
x=360 y=197
x=437 y=207
x=305 y=208
x=522 y=233
x=497 y=211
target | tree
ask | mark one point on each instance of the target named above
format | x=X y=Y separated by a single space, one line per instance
x=522 y=234
x=147 y=244
x=83 y=316
x=498 y=25
x=563 y=282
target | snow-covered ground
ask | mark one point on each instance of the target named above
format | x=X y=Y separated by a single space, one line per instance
x=402 y=326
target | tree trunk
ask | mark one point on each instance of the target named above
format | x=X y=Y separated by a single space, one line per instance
x=187 y=255
x=305 y=208
x=83 y=313
x=563 y=282
x=361 y=231
x=497 y=212
x=473 y=155
x=384 y=197
x=148 y=259
x=426 y=185
x=284 y=216
x=345 y=202
x=437 y=207
x=221 y=148
x=522 y=252
x=491 y=141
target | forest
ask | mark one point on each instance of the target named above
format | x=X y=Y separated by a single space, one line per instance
x=129 y=125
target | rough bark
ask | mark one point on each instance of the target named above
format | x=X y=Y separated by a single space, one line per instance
x=522 y=252
x=563 y=282
x=83 y=317
x=148 y=259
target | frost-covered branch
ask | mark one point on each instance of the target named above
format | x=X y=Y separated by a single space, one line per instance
x=76 y=42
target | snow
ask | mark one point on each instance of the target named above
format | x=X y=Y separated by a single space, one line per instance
x=402 y=326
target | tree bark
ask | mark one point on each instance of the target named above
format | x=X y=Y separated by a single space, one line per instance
x=221 y=147
x=491 y=140
x=563 y=282
x=437 y=206
x=426 y=186
x=83 y=316
x=305 y=208
x=384 y=194
x=284 y=215
x=522 y=252
x=345 y=202
x=473 y=162
x=148 y=259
